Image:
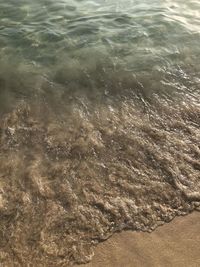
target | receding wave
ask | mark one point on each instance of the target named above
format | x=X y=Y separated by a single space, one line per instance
x=75 y=172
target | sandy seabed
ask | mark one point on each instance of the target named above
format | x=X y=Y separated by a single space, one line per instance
x=70 y=182
x=174 y=244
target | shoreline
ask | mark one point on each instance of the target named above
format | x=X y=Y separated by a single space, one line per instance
x=174 y=244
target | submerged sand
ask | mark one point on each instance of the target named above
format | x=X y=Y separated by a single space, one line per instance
x=71 y=178
x=174 y=244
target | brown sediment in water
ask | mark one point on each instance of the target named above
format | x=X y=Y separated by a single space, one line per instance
x=71 y=179
x=173 y=244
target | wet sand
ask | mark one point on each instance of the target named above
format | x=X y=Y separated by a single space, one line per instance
x=174 y=244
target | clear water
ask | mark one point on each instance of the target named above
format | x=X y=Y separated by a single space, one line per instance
x=100 y=123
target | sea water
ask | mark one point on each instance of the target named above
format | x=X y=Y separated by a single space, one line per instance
x=99 y=123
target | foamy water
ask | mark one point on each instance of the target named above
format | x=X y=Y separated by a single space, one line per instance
x=99 y=123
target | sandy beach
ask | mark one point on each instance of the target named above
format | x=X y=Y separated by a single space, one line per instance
x=174 y=244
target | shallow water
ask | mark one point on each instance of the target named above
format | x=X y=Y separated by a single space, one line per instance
x=100 y=123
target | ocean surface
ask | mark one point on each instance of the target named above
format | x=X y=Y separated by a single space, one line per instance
x=99 y=123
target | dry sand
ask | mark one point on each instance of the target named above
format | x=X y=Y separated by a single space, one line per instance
x=174 y=244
